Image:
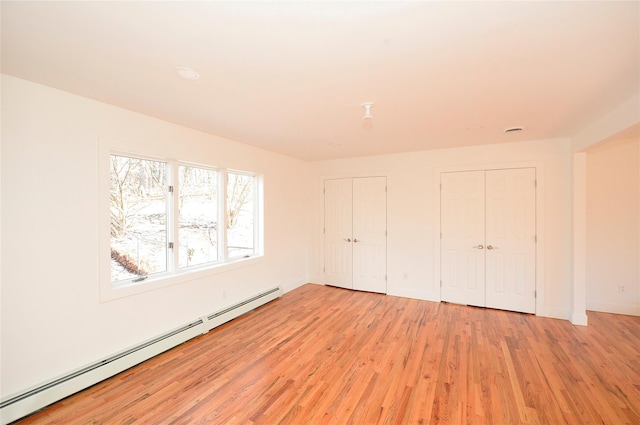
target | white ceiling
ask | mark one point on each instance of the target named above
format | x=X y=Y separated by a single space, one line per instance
x=291 y=77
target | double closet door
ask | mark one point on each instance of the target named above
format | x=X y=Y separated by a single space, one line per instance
x=355 y=233
x=488 y=238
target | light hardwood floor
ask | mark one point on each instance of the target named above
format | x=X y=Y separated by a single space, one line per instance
x=323 y=355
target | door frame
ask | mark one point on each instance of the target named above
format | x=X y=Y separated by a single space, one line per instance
x=540 y=189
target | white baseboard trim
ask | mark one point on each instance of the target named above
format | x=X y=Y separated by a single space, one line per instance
x=554 y=313
x=628 y=309
x=413 y=293
x=35 y=398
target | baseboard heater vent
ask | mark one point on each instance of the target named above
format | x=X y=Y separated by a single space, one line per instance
x=34 y=399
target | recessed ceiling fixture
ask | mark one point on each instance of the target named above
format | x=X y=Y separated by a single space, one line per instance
x=187 y=73
x=367 y=111
x=513 y=129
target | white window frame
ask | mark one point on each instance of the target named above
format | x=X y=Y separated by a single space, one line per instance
x=174 y=274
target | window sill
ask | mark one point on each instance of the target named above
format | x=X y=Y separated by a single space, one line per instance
x=109 y=293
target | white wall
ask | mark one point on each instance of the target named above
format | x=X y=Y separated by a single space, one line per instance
x=613 y=227
x=413 y=217
x=620 y=119
x=52 y=319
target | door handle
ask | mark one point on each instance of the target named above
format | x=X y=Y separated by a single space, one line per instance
x=347 y=240
x=491 y=247
x=356 y=241
x=479 y=247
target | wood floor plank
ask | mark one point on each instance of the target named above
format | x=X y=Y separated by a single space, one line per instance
x=323 y=355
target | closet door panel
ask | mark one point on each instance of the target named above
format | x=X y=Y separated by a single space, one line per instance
x=338 y=230
x=510 y=239
x=370 y=234
x=462 y=225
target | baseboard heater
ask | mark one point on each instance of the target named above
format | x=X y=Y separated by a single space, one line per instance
x=34 y=399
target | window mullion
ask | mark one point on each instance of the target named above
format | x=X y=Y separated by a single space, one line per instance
x=223 y=213
x=172 y=218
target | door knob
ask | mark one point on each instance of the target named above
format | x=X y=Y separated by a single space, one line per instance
x=491 y=247
x=347 y=240
x=356 y=241
x=480 y=247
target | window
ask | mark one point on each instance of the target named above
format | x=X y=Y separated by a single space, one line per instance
x=240 y=214
x=197 y=216
x=165 y=218
x=138 y=217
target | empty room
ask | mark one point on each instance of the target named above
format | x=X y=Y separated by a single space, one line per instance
x=322 y=212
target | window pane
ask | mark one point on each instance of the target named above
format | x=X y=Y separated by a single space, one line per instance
x=198 y=215
x=240 y=215
x=138 y=217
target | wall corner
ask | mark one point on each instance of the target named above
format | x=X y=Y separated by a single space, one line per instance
x=579 y=318
x=579 y=295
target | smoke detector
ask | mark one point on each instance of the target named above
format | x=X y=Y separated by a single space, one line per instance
x=187 y=73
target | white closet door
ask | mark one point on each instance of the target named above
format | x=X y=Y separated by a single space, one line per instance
x=370 y=234
x=338 y=212
x=462 y=240
x=510 y=239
